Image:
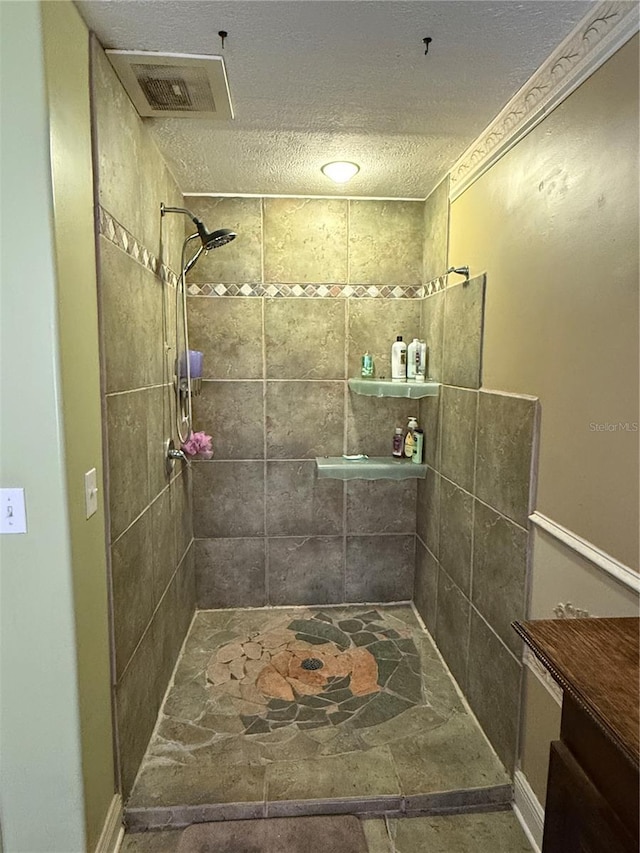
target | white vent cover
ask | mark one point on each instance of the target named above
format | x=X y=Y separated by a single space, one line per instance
x=174 y=85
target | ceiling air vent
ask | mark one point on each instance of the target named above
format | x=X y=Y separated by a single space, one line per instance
x=174 y=85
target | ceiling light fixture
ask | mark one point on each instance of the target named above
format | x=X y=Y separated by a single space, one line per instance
x=340 y=171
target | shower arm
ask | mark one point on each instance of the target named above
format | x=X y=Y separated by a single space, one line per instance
x=164 y=209
x=459 y=271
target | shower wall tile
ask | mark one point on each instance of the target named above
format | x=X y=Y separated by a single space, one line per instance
x=169 y=631
x=160 y=427
x=452 y=627
x=436 y=232
x=385 y=242
x=230 y=572
x=428 y=511
x=132 y=570
x=494 y=689
x=371 y=423
x=186 y=590
x=240 y=261
x=425 y=586
x=228 y=499
x=299 y=504
x=150 y=515
x=380 y=568
x=233 y=414
x=456 y=533
x=458 y=431
x=120 y=144
x=499 y=572
x=432 y=331
x=305 y=419
x=131 y=310
x=163 y=542
x=374 y=325
x=307 y=570
x=463 y=324
x=305 y=240
x=183 y=512
x=133 y=178
x=137 y=702
x=305 y=338
x=380 y=506
x=128 y=458
x=506 y=430
x=229 y=332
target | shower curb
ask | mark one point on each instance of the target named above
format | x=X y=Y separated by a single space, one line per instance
x=490 y=799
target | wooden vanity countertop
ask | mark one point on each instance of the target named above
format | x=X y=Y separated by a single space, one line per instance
x=596 y=661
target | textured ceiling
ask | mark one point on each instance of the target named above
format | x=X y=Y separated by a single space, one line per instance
x=319 y=80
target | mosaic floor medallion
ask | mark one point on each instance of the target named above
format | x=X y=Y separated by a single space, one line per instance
x=321 y=671
x=289 y=705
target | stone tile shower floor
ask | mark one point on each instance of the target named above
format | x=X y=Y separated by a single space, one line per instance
x=280 y=712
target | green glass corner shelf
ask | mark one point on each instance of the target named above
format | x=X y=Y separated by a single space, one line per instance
x=371 y=468
x=387 y=388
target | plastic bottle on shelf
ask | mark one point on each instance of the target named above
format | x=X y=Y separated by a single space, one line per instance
x=418 y=446
x=409 y=439
x=399 y=360
x=398 y=444
x=413 y=356
x=367 y=369
x=421 y=362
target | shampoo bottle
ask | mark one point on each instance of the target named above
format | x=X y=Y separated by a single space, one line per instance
x=399 y=360
x=409 y=439
x=413 y=358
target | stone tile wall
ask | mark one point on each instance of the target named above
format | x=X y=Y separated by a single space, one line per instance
x=275 y=396
x=150 y=534
x=472 y=528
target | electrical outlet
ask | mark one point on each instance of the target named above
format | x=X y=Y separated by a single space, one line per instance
x=91 y=492
x=13 y=516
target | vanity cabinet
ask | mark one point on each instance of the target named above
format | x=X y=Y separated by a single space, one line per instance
x=592 y=791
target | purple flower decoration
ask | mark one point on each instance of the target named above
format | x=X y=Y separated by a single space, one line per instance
x=198 y=444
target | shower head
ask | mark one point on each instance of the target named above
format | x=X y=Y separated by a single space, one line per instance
x=210 y=239
x=213 y=239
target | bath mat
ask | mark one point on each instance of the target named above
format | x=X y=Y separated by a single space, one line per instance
x=339 y=834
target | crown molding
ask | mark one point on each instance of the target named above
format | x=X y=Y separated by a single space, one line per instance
x=596 y=38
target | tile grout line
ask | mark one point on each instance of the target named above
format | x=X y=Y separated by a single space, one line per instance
x=345 y=439
x=265 y=466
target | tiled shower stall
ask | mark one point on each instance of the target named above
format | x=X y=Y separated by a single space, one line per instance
x=283 y=315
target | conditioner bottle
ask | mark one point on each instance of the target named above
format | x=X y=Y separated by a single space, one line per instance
x=399 y=360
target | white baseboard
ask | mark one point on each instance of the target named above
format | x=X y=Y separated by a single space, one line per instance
x=113 y=830
x=528 y=810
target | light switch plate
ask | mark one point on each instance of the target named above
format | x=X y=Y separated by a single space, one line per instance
x=91 y=492
x=13 y=516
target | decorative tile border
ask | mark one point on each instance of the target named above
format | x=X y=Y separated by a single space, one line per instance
x=351 y=291
x=435 y=285
x=597 y=37
x=110 y=228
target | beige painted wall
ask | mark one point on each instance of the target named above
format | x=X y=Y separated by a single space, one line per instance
x=541 y=713
x=555 y=225
x=66 y=43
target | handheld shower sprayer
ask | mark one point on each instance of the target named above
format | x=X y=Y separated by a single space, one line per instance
x=208 y=240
